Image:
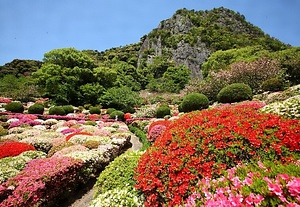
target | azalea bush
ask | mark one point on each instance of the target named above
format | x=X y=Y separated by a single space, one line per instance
x=115 y=185
x=251 y=184
x=289 y=108
x=202 y=144
x=40 y=182
x=13 y=148
x=11 y=166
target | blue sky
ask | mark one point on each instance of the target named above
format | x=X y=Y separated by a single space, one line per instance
x=30 y=28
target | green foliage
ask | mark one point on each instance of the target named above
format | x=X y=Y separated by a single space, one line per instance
x=36 y=108
x=273 y=84
x=222 y=59
x=15 y=107
x=57 y=110
x=141 y=134
x=194 y=101
x=235 y=92
x=118 y=115
x=110 y=110
x=18 y=88
x=118 y=174
x=20 y=68
x=94 y=110
x=290 y=62
x=63 y=73
x=90 y=92
x=3 y=131
x=122 y=98
x=163 y=111
x=68 y=109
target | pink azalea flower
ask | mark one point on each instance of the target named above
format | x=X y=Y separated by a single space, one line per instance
x=275 y=188
x=294 y=187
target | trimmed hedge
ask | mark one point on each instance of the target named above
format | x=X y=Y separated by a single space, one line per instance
x=235 y=92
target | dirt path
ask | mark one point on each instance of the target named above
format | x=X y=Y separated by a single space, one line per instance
x=84 y=196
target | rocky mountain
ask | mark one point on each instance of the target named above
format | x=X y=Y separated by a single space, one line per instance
x=189 y=37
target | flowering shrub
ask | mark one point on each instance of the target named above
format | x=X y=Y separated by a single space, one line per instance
x=155 y=132
x=77 y=133
x=127 y=116
x=40 y=143
x=59 y=146
x=115 y=185
x=202 y=144
x=118 y=197
x=163 y=122
x=4 y=100
x=13 y=148
x=289 y=108
x=11 y=166
x=41 y=181
x=267 y=184
x=147 y=111
x=91 y=144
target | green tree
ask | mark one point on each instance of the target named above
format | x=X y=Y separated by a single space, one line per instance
x=63 y=73
x=121 y=98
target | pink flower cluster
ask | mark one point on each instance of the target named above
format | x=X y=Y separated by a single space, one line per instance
x=233 y=190
x=42 y=180
x=23 y=119
x=4 y=100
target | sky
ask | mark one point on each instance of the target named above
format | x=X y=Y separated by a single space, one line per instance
x=30 y=28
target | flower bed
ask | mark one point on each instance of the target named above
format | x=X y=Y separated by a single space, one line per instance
x=202 y=144
x=39 y=181
x=254 y=184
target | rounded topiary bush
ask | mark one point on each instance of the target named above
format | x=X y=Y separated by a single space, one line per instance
x=119 y=115
x=193 y=102
x=15 y=107
x=273 y=85
x=235 y=92
x=57 y=110
x=68 y=109
x=202 y=144
x=163 y=111
x=110 y=110
x=36 y=108
x=95 y=110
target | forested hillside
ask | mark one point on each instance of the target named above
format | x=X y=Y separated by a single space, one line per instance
x=191 y=51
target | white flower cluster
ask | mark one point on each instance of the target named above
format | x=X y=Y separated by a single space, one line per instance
x=118 y=198
x=289 y=108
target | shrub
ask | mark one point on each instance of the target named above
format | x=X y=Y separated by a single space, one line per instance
x=15 y=107
x=58 y=147
x=36 y=108
x=110 y=110
x=277 y=186
x=3 y=131
x=119 y=173
x=147 y=111
x=194 y=101
x=91 y=144
x=117 y=114
x=13 y=148
x=141 y=135
x=94 y=110
x=273 y=84
x=68 y=109
x=57 y=110
x=155 y=132
x=202 y=144
x=289 y=108
x=163 y=111
x=235 y=92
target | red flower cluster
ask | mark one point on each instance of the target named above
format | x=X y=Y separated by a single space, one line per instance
x=13 y=148
x=202 y=144
x=77 y=133
x=127 y=116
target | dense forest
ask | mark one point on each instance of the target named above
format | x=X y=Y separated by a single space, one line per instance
x=193 y=51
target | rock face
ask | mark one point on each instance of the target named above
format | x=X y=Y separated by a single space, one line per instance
x=182 y=53
x=190 y=37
